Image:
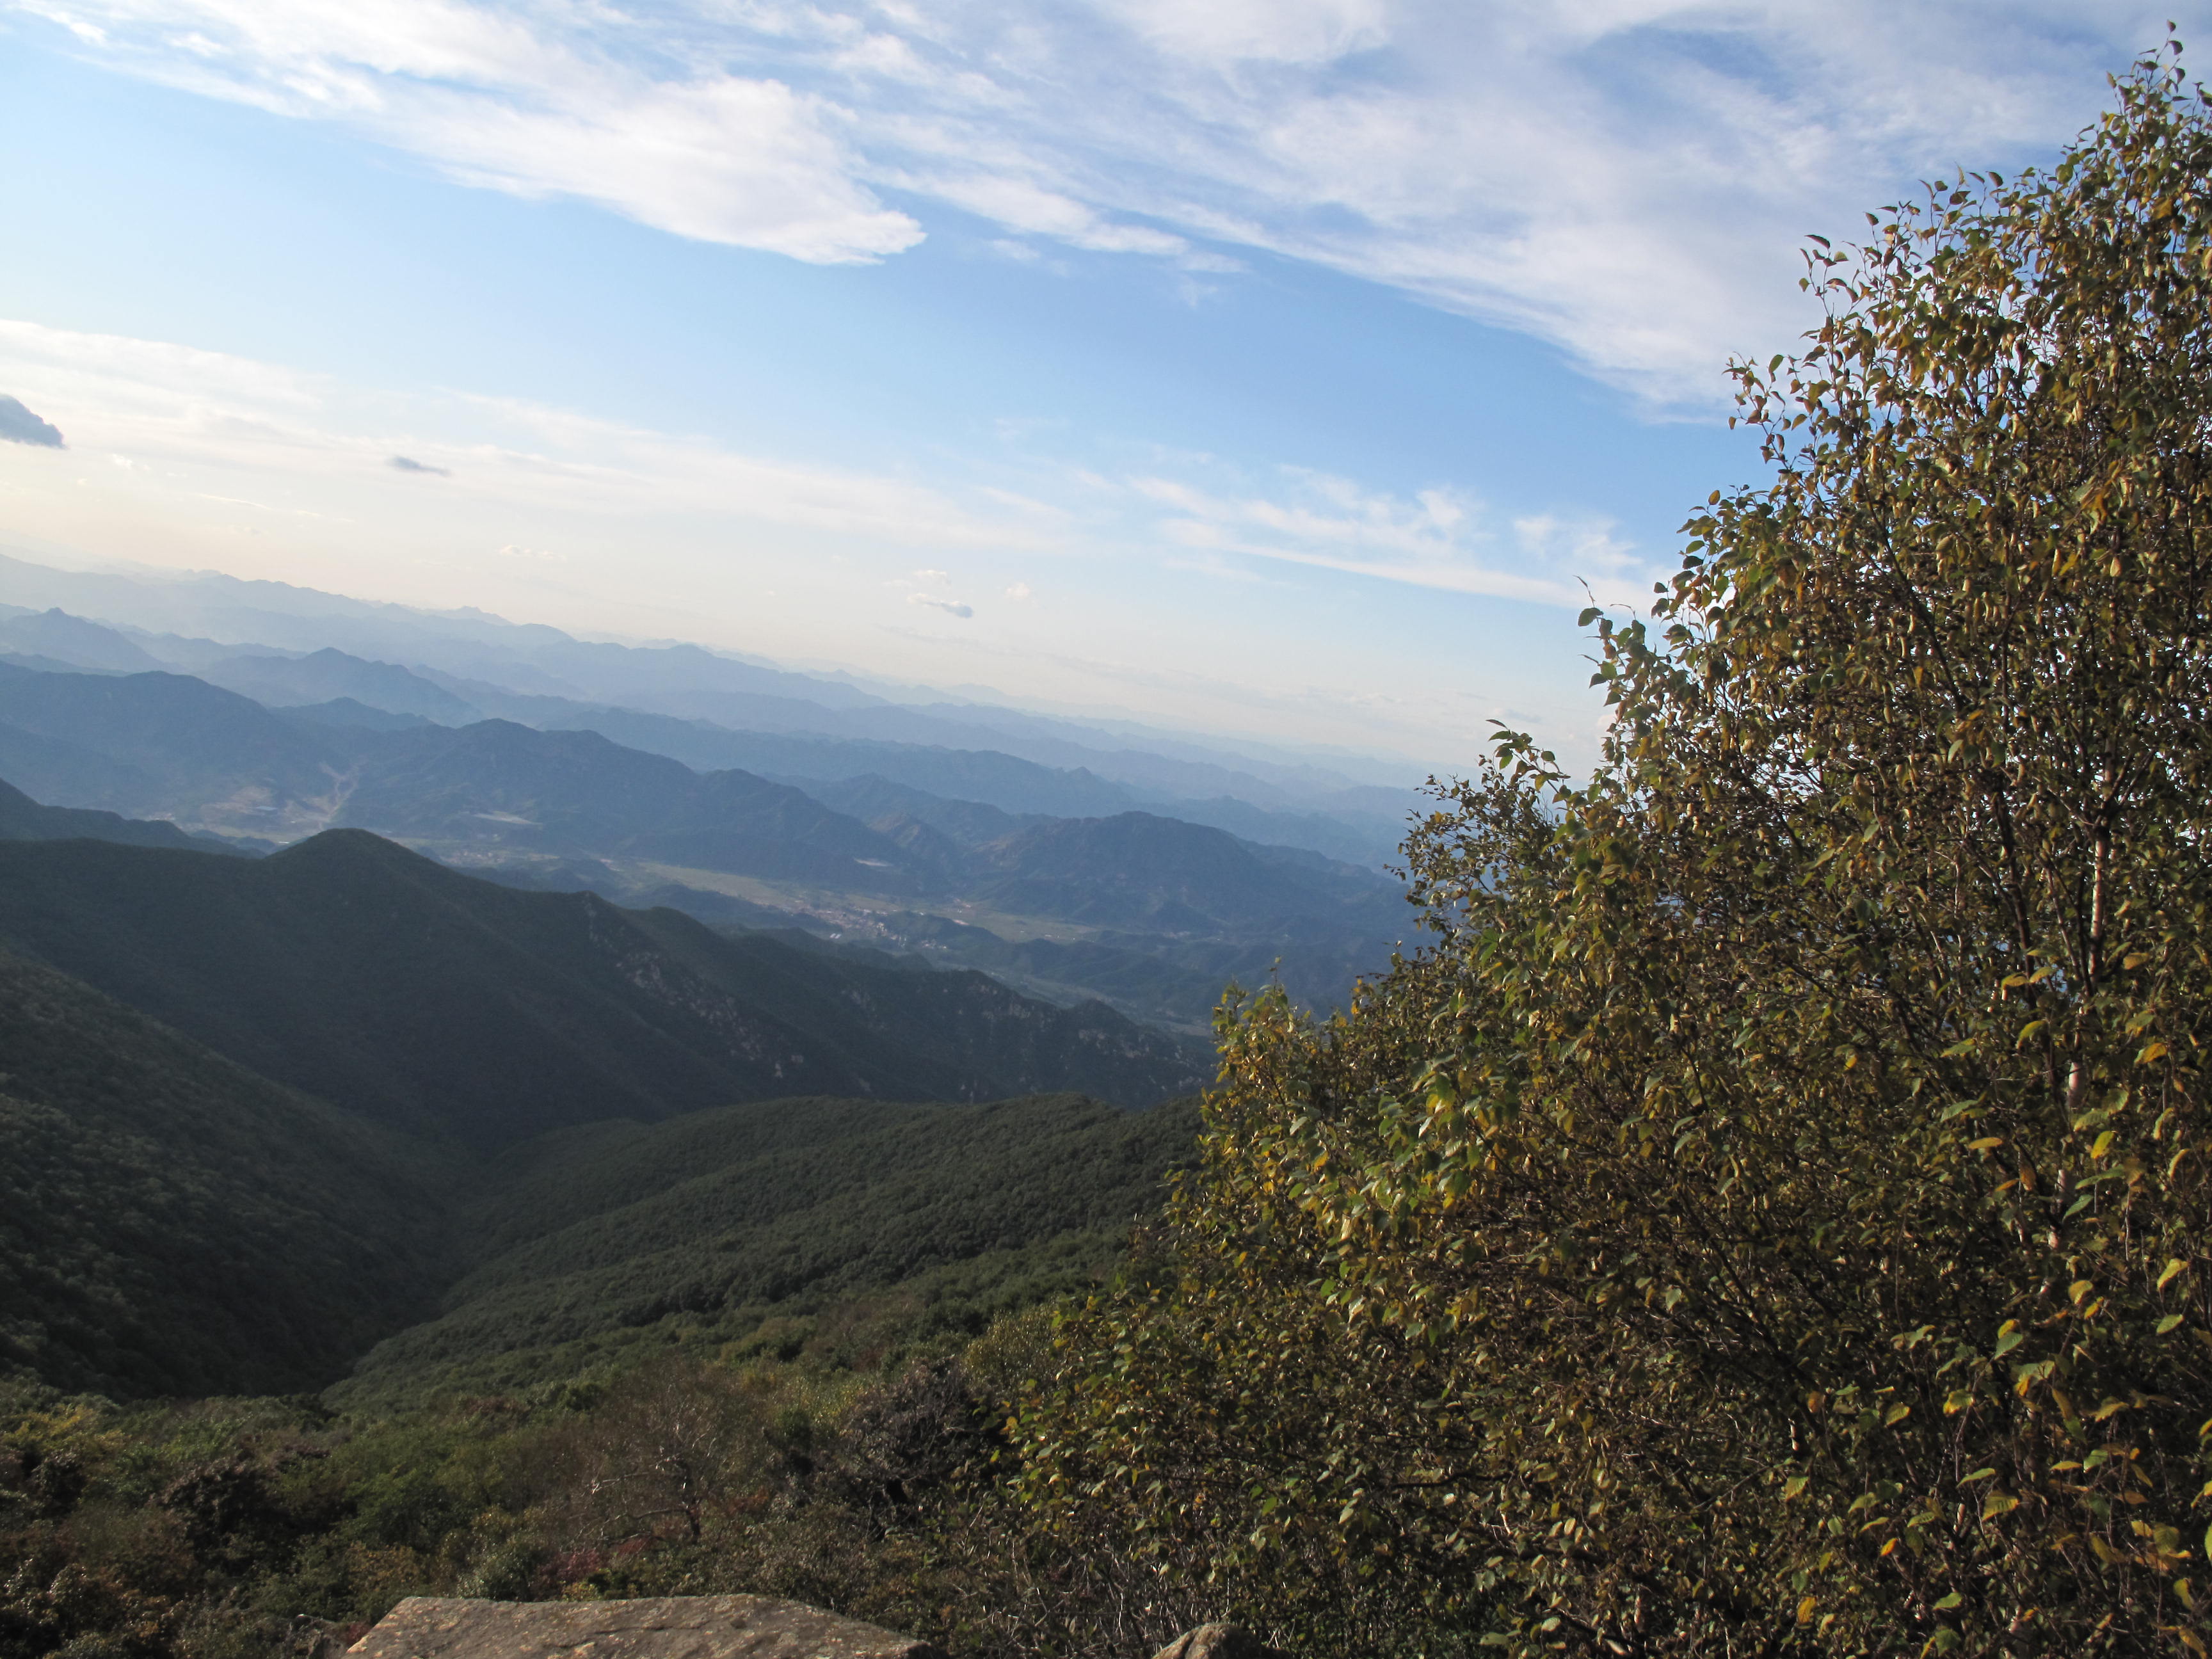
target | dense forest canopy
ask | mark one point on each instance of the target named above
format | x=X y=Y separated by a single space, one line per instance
x=1769 y=1219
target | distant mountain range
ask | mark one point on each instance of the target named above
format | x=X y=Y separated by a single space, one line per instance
x=781 y=989
x=572 y=808
x=1348 y=807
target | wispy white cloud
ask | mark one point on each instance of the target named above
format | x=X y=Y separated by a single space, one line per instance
x=174 y=405
x=1438 y=539
x=190 y=459
x=537 y=101
x=172 y=411
x=1627 y=179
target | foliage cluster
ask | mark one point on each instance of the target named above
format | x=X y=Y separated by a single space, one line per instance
x=225 y=1529
x=1772 y=1218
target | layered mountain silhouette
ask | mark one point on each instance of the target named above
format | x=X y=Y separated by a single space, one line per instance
x=328 y=674
x=55 y=636
x=497 y=791
x=495 y=783
x=686 y=701
x=257 y=1114
x=162 y=743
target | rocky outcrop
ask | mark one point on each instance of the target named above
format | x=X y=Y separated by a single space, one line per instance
x=665 y=1628
x=1217 y=1642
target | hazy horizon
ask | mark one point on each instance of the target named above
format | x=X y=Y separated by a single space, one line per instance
x=1292 y=371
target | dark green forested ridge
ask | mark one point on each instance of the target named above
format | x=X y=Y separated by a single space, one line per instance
x=172 y=1224
x=716 y=1218
x=459 y=1009
x=22 y=818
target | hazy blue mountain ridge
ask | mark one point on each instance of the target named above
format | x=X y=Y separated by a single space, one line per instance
x=497 y=792
x=56 y=635
x=498 y=784
x=1166 y=770
x=163 y=744
x=344 y=712
x=324 y=675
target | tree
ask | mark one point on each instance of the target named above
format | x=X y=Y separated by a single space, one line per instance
x=1772 y=1217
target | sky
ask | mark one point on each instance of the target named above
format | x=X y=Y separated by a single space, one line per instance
x=1295 y=369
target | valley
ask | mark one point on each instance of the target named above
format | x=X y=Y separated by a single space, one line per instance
x=1067 y=884
x=408 y=1063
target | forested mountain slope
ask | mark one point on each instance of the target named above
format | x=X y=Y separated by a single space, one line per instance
x=22 y=818
x=719 y=1217
x=467 y=1011
x=171 y=1222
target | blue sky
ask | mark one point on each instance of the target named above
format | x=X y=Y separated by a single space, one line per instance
x=1276 y=366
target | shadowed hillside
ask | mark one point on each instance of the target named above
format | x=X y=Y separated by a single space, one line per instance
x=22 y=818
x=462 y=1010
x=172 y=1224
x=720 y=1218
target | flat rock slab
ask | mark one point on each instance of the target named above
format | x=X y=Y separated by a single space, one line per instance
x=663 y=1627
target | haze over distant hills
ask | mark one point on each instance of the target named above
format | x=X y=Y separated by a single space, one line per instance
x=1066 y=881
x=779 y=989
x=187 y=622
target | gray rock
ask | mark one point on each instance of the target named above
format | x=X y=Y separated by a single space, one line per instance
x=315 y=1639
x=1217 y=1642
x=664 y=1627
